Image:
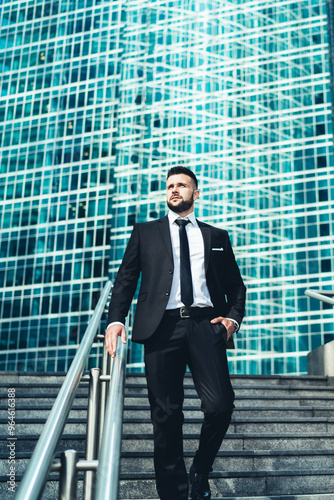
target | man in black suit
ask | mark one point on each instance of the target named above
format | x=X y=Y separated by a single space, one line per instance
x=191 y=301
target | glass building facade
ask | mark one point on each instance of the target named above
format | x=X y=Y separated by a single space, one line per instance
x=118 y=93
x=330 y=17
x=57 y=110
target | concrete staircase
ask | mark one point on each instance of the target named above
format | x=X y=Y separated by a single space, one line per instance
x=280 y=444
x=35 y=394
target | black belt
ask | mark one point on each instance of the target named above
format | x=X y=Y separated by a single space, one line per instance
x=189 y=312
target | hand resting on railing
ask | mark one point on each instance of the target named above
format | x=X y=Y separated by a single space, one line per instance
x=113 y=332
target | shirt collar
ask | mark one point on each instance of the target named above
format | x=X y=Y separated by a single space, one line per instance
x=172 y=216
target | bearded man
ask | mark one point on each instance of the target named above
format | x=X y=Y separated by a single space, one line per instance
x=190 y=303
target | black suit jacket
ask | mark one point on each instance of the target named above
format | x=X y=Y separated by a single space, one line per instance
x=149 y=252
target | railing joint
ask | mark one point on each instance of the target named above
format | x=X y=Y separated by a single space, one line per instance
x=68 y=475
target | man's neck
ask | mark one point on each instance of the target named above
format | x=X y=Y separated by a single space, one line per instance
x=183 y=214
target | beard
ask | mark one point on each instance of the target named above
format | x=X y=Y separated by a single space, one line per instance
x=183 y=206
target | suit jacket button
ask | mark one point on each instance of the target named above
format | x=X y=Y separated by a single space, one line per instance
x=167 y=292
x=170 y=271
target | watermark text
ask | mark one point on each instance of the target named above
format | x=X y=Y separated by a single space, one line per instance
x=11 y=441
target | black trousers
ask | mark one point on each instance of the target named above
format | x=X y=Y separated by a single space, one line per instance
x=176 y=343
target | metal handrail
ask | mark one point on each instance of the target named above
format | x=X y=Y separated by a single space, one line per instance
x=322 y=295
x=109 y=463
x=41 y=461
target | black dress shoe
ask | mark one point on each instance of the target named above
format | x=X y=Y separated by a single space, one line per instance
x=200 y=489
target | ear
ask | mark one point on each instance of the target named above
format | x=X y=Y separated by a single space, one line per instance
x=196 y=194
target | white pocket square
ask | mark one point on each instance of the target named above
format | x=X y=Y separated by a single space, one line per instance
x=217 y=249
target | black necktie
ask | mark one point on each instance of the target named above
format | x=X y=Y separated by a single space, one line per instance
x=187 y=296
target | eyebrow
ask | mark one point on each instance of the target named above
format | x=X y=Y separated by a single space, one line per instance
x=177 y=183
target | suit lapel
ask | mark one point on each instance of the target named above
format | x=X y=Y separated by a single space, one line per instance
x=206 y=233
x=165 y=234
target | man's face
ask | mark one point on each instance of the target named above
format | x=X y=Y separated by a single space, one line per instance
x=181 y=193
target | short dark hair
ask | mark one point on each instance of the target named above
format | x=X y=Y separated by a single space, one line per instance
x=179 y=169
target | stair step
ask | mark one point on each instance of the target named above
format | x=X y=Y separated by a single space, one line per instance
x=254 y=379
x=21 y=461
x=192 y=400
x=232 y=442
x=314 y=496
x=47 y=398
x=38 y=390
x=249 y=441
x=27 y=442
x=38 y=412
x=143 y=411
x=239 y=390
x=288 y=400
x=243 y=483
x=191 y=425
x=50 y=491
x=230 y=461
x=225 y=487
x=242 y=460
x=10 y=378
x=29 y=426
x=239 y=425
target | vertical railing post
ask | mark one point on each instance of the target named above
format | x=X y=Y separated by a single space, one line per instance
x=68 y=475
x=110 y=455
x=104 y=391
x=106 y=370
x=92 y=429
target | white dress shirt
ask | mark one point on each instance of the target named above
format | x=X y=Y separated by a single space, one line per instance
x=196 y=250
